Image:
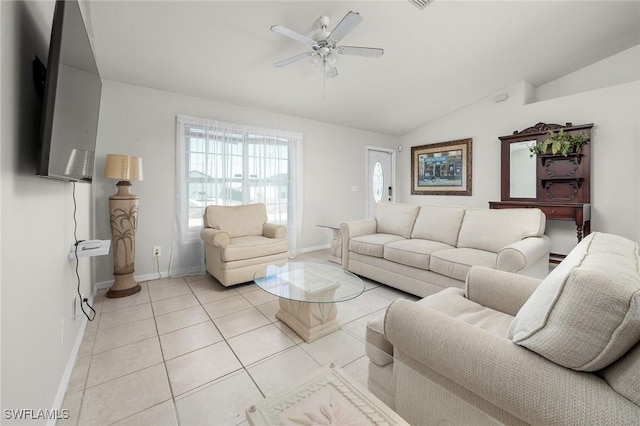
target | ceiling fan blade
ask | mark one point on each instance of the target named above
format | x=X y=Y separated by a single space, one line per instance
x=333 y=71
x=294 y=35
x=348 y=23
x=369 y=52
x=293 y=59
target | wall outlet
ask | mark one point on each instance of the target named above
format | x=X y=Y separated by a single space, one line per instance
x=157 y=251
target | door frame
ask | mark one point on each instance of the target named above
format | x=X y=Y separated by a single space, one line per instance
x=393 y=153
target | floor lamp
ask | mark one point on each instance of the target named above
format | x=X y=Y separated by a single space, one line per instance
x=123 y=215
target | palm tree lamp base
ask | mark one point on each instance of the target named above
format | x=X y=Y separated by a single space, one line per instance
x=123 y=210
x=124 y=285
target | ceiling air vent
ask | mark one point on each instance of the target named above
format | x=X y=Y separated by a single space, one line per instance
x=420 y=4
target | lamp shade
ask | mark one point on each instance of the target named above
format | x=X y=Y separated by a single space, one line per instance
x=123 y=167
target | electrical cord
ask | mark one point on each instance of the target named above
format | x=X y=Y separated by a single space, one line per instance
x=75 y=237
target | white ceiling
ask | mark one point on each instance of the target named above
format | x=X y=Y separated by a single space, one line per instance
x=436 y=60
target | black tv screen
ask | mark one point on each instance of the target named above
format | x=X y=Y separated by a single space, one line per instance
x=71 y=100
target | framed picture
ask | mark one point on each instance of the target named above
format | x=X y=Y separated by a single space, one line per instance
x=441 y=168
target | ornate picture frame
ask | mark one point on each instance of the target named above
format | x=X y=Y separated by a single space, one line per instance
x=442 y=168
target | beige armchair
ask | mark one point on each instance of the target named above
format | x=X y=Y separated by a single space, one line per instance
x=239 y=241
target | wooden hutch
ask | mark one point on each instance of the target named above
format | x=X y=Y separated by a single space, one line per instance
x=556 y=184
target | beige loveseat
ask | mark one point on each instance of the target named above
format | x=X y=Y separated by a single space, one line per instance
x=423 y=249
x=560 y=351
x=239 y=241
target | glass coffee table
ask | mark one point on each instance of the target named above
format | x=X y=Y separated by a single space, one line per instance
x=308 y=293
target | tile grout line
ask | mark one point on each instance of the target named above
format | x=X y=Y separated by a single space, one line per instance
x=296 y=344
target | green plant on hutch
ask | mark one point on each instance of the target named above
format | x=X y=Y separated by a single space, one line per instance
x=559 y=143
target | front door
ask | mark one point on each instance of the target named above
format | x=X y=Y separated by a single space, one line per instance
x=379 y=177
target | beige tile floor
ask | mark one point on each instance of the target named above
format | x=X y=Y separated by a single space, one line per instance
x=188 y=351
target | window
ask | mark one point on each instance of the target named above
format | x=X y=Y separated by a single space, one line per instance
x=228 y=164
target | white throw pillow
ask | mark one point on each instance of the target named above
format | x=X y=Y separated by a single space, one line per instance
x=494 y=229
x=438 y=223
x=586 y=313
x=396 y=219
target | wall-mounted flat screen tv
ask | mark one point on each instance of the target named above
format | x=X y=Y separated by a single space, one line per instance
x=71 y=100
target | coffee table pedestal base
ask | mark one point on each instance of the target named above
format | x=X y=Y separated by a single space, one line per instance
x=310 y=320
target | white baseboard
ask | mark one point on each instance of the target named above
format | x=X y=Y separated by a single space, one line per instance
x=316 y=248
x=151 y=277
x=181 y=273
x=66 y=376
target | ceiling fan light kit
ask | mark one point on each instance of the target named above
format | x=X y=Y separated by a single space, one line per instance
x=324 y=44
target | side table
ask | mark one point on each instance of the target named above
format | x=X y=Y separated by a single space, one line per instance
x=335 y=249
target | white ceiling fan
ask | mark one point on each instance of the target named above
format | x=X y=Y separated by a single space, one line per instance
x=324 y=44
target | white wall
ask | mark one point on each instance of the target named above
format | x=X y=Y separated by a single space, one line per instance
x=614 y=110
x=38 y=283
x=621 y=68
x=141 y=121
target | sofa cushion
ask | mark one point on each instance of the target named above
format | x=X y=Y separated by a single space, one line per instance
x=452 y=301
x=586 y=313
x=414 y=252
x=624 y=375
x=396 y=219
x=253 y=246
x=437 y=223
x=237 y=221
x=373 y=244
x=455 y=263
x=493 y=229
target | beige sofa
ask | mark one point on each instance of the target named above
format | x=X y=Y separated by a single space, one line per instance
x=239 y=241
x=423 y=249
x=560 y=351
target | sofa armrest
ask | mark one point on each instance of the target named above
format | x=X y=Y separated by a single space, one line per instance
x=215 y=237
x=523 y=254
x=509 y=376
x=353 y=229
x=273 y=230
x=502 y=291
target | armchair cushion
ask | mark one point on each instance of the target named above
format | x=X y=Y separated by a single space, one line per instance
x=586 y=313
x=251 y=247
x=237 y=221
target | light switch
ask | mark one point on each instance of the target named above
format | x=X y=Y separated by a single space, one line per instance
x=354 y=188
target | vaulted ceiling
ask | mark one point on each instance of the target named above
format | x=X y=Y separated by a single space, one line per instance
x=435 y=60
